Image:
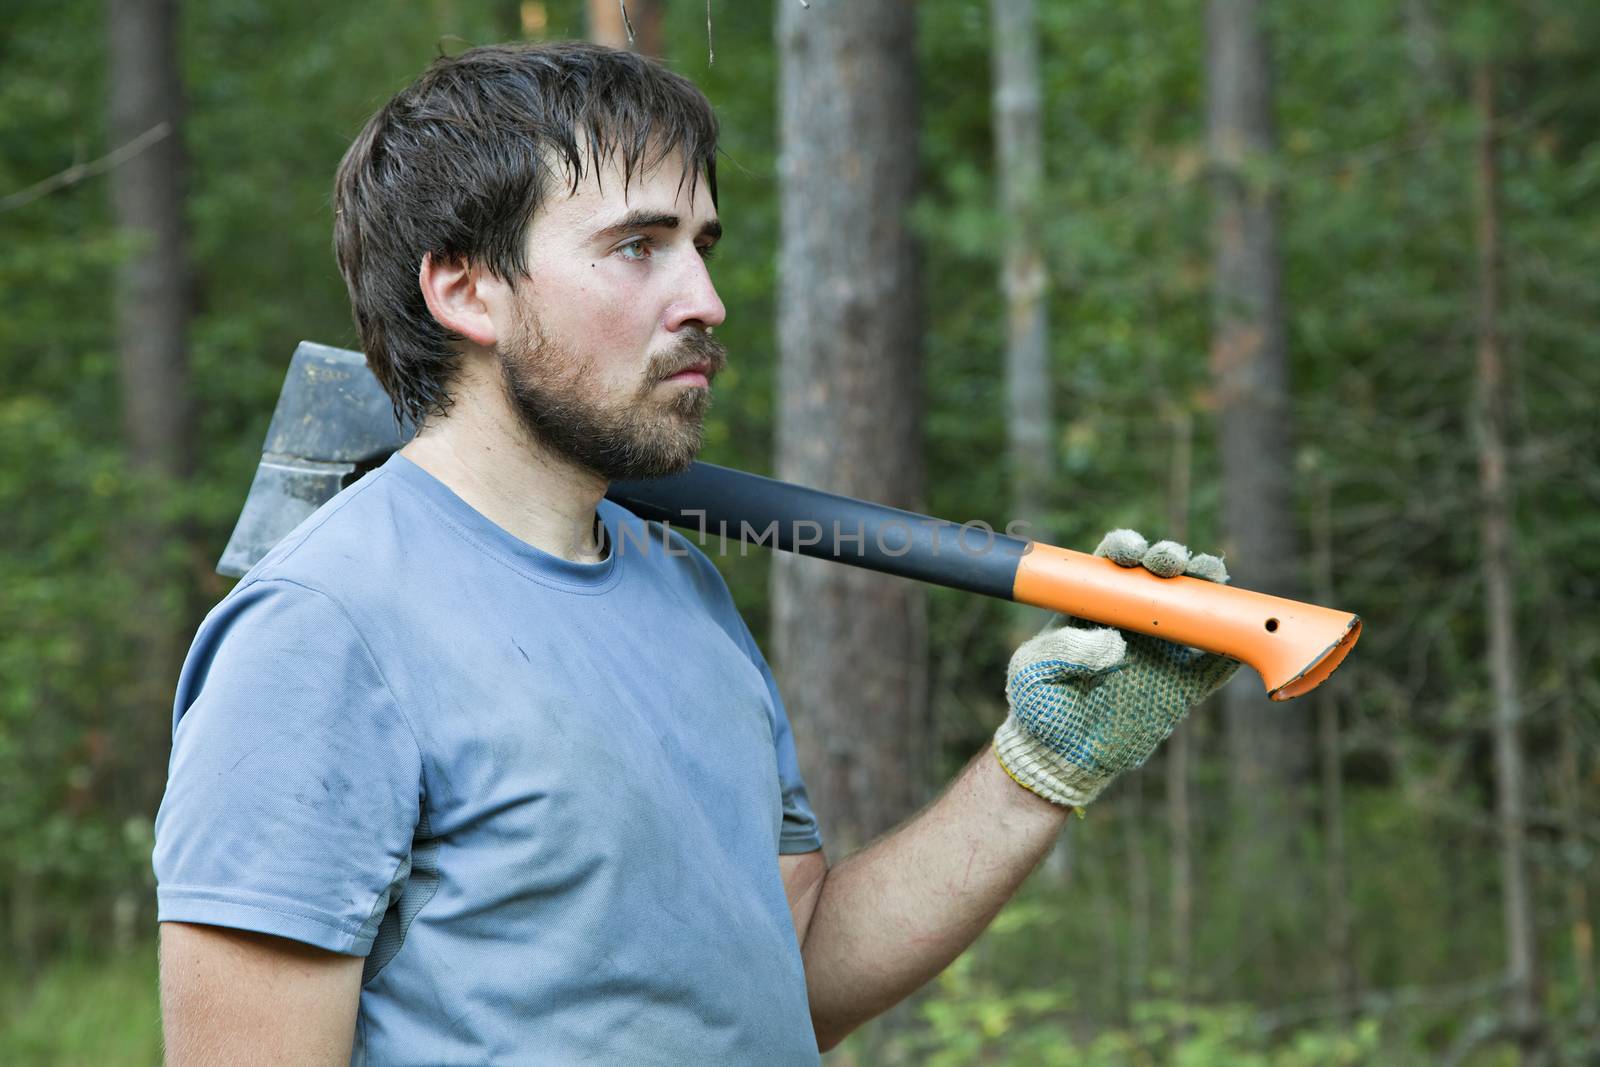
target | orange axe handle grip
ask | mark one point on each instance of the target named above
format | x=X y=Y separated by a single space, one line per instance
x=1293 y=646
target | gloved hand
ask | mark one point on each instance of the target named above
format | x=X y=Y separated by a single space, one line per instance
x=1088 y=703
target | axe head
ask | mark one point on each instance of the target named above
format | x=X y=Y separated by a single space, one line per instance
x=332 y=424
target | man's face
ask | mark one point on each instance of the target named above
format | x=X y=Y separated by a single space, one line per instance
x=608 y=359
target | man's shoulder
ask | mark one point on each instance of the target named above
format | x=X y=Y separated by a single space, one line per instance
x=356 y=536
x=314 y=593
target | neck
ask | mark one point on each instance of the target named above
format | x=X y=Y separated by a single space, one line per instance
x=484 y=455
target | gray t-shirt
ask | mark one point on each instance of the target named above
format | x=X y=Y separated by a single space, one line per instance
x=544 y=799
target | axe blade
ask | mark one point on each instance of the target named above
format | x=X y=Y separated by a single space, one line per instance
x=333 y=422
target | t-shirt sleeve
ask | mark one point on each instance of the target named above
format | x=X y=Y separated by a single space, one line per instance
x=800 y=831
x=295 y=783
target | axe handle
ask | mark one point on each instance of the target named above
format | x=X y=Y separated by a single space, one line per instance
x=1293 y=646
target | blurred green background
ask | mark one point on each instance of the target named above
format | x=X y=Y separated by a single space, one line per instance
x=1376 y=172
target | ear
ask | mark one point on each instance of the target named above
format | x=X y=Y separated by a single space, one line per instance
x=457 y=294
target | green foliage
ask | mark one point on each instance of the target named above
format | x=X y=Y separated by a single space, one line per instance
x=1375 y=174
x=85 y=1012
x=974 y=1023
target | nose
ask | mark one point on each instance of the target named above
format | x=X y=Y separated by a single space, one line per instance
x=698 y=303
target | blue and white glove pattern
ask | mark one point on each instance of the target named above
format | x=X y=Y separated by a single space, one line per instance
x=1088 y=703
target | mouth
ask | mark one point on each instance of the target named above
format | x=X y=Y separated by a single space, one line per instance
x=698 y=374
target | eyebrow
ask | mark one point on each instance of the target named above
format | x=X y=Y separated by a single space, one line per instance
x=655 y=220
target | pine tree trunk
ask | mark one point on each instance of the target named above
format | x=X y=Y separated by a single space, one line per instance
x=1429 y=79
x=1178 y=746
x=1522 y=959
x=1025 y=282
x=512 y=26
x=1342 y=975
x=1580 y=924
x=1267 y=750
x=606 y=25
x=153 y=305
x=153 y=283
x=850 y=644
x=1024 y=279
x=1131 y=809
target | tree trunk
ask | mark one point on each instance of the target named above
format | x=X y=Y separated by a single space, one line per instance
x=1025 y=282
x=1522 y=957
x=24 y=927
x=1177 y=748
x=1250 y=383
x=1330 y=748
x=1103 y=889
x=153 y=283
x=608 y=26
x=153 y=305
x=1019 y=164
x=1579 y=922
x=1131 y=808
x=849 y=643
x=1428 y=76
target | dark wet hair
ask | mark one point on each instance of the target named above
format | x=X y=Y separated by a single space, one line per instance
x=458 y=164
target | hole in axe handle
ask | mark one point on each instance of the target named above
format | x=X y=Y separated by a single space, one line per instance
x=1292 y=645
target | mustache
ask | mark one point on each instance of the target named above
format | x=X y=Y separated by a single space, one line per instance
x=694 y=348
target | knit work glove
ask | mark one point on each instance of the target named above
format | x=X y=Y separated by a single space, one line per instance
x=1088 y=703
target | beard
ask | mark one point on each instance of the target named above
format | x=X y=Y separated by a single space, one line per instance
x=551 y=389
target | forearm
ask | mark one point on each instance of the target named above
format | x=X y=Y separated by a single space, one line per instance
x=894 y=914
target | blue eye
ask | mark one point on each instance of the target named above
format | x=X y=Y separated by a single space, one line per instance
x=638 y=244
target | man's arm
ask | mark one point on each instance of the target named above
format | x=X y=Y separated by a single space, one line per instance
x=236 y=997
x=1086 y=704
x=882 y=922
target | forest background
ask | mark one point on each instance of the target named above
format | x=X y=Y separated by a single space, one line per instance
x=1399 y=869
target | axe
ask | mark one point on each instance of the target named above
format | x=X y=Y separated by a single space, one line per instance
x=333 y=423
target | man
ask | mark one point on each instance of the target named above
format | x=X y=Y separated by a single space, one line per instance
x=477 y=767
